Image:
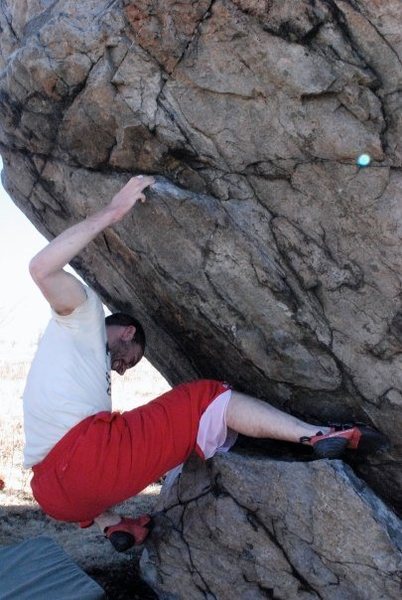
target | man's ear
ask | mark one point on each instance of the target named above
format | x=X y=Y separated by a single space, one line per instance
x=128 y=333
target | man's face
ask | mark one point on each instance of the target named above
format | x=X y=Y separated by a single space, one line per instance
x=124 y=355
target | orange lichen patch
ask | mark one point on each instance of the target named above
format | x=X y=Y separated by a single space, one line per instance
x=254 y=7
x=165 y=31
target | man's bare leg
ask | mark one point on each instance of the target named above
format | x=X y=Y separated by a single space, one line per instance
x=255 y=418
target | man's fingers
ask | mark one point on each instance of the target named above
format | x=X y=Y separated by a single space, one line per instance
x=144 y=180
x=131 y=193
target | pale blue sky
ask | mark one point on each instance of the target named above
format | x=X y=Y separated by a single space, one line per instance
x=23 y=311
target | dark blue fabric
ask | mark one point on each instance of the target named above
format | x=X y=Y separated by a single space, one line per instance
x=39 y=569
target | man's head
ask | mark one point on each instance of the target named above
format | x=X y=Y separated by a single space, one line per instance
x=125 y=340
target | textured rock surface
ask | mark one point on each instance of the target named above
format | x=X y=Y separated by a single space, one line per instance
x=241 y=527
x=265 y=256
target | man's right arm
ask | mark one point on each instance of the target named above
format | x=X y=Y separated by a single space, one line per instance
x=63 y=291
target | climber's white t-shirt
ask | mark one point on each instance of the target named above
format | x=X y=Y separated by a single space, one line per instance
x=69 y=379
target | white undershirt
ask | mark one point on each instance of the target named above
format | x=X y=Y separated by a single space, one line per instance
x=69 y=378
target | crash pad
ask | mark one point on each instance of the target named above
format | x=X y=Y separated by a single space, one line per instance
x=39 y=569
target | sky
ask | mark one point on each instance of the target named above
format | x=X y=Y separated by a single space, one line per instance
x=24 y=313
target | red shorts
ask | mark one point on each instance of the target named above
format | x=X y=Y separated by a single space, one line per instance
x=110 y=457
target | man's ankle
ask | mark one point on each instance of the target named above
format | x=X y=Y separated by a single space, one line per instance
x=314 y=431
x=106 y=520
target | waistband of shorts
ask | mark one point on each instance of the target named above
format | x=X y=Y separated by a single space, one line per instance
x=60 y=449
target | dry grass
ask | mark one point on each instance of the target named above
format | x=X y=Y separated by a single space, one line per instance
x=16 y=480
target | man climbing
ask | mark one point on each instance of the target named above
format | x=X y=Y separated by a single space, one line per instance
x=86 y=458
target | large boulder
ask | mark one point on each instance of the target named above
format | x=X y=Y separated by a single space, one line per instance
x=264 y=256
x=252 y=528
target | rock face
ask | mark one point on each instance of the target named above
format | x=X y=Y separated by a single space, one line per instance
x=247 y=528
x=265 y=256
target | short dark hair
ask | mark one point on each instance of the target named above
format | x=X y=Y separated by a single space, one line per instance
x=125 y=320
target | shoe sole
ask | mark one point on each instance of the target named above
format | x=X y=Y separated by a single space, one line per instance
x=121 y=540
x=330 y=447
x=371 y=441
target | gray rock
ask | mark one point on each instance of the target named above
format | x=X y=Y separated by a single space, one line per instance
x=251 y=527
x=265 y=256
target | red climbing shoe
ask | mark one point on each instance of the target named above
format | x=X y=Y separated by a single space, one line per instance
x=354 y=436
x=129 y=532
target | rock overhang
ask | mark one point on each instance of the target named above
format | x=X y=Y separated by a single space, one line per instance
x=264 y=256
